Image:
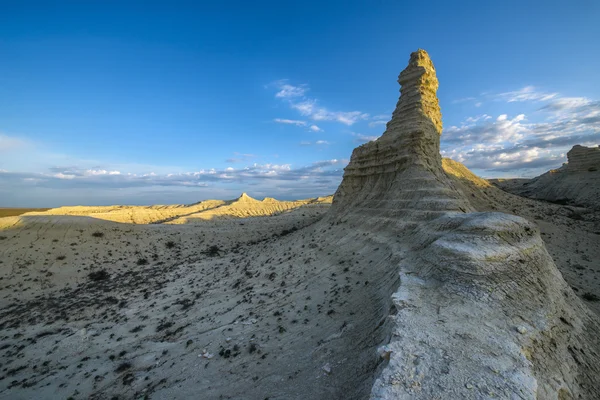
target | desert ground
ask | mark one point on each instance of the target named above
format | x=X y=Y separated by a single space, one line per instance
x=229 y=307
x=416 y=280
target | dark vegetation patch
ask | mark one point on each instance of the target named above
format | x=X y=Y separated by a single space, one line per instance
x=123 y=367
x=137 y=329
x=98 y=234
x=164 y=325
x=61 y=257
x=212 y=251
x=590 y=296
x=170 y=244
x=100 y=275
x=142 y=261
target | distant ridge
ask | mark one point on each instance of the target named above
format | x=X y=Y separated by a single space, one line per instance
x=242 y=207
x=576 y=183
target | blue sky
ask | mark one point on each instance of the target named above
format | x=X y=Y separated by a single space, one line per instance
x=173 y=102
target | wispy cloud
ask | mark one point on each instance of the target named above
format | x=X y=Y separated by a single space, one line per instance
x=315 y=128
x=286 y=91
x=290 y=121
x=316 y=143
x=309 y=107
x=381 y=119
x=360 y=138
x=240 y=157
x=528 y=93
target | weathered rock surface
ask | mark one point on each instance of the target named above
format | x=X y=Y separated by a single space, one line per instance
x=576 y=183
x=583 y=159
x=481 y=311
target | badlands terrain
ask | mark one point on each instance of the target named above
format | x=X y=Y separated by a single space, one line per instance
x=418 y=280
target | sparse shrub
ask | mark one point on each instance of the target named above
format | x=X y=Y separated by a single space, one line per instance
x=590 y=296
x=99 y=275
x=170 y=244
x=213 y=251
x=123 y=367
x=137 y=329
x=61 y=257
x=142 y=261
x=98 y=234
x=3 y=237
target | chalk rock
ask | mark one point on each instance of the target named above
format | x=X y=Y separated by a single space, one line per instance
x=466 y=278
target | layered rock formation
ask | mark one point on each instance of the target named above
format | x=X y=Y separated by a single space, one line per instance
x=242 y=207
x=576 y=183
x=481 y=311
x=402 y=170
x=583 y=159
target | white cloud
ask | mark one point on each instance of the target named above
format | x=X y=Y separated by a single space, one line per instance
x=290 y=122
x=528 y=93
x=316 y=143
x=360 y=138
x=567 y=103
x=347 y=118
x=309 y=107
x=320 y=177
x=286 y=91
x=514 y=146
x=315 y=128
x=478 y=118
x=375 y=123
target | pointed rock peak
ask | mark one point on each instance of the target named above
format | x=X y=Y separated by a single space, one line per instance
x=245 y=196
x=404 y=165
x=418 y=93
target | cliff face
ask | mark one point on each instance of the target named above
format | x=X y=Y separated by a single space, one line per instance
x=583 y=159
x=576 y=183
x=481 y=310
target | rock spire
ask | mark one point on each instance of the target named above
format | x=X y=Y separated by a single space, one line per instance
x=394 y=168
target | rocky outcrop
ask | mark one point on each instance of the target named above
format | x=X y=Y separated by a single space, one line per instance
x=583 y=159
x=576 y=183
x=481 y=310
x=402 y=170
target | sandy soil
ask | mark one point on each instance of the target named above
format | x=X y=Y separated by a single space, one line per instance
x=91 y=308
x=96 y=309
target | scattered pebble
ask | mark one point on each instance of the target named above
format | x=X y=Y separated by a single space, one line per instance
x=206 y=354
